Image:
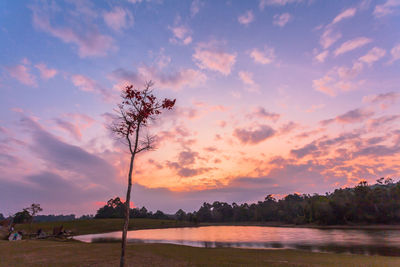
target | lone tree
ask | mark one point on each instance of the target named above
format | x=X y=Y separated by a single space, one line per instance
x=27 y=214
x=137 y=108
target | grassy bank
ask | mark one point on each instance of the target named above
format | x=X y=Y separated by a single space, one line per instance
x=82 y=227
x=72 y=253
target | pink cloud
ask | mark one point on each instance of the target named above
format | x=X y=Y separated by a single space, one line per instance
x=118 y=18
x=260 y=112
x=247 y=78
x=246 y=18
x=74 y=123
x=87 y=84
x=329 y=37
x=265 y=56
x=254 y=136
x=322 y=56
x=46 y=73
x=348 y=13
x=352 y=116
x=387 y=8
x=90 y=43
x=195 y=7
x=395 y=52
x=208 y=57
x=177 y=80
x=282 y=19
x=385 y=100
x=351 y=45
x=340 y=79
x=21 y=73
x=84 y=83
x=322 y=85
x=264 y=3
x=182 y=35
x=70 y=128
x=373 y=55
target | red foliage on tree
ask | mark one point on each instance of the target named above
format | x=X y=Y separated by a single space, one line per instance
x=137 y=108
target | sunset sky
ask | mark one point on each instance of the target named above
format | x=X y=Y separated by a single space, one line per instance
x=273 y=97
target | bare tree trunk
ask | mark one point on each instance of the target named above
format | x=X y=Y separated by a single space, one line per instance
x=127 y=208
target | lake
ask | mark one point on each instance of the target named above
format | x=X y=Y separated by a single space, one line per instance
x=370 y=242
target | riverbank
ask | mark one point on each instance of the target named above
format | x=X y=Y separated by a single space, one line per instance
x=73 y=253
x=97 y=226
x=314 y=226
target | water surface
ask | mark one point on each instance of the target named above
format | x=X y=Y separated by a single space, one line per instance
x=371 y=242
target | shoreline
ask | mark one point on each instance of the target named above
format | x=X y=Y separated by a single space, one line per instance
x=311 y=226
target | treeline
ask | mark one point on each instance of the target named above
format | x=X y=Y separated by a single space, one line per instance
x=54 y=218
x=362 y=204
x=115 y=208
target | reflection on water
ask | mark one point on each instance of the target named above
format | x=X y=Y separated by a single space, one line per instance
x=381 y=242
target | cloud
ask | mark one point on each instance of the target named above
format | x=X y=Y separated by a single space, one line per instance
x=208 y=57
x=329 y=37
x=86 y=84
x=266 y=56
x=247 y=78
x=118 y=18
x=184 y=166
x=69 y=127
x=380 y=122
x=313 y=108
x=264 y=3
x=351 y=45
x=162 y=60
x=22 y=74
x=373 y=55
x=260 y=112
x=173 y=80
x=322 y=56
x=323 y=85
x=246 y=18
x=254 y=136
x=63 y=156
x=385 y=99
x=387 y=8
x=182 y=35
x=90 y=43
x=395 y=52
x=49 y=189
x=195 y=7
x=348 y=13
x=391 y=97
x=378 y=151
x=304 y=151
x=46 y=73
x=73 y=123
x=187 y=157
x=352 y=116
x=340 y=79
x=282 y=20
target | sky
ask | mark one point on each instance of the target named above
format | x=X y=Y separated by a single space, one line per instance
x=273 y=97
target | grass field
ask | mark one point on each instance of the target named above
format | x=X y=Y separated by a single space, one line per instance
x=72 y=253
x=82 y=227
